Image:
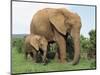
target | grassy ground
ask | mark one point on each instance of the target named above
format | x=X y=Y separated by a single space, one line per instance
x=20 y=65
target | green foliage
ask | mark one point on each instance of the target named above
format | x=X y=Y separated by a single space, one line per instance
x=92 y=48
x=84 y=43
x=92 y=34
x=70 y=47
x=53 y=47
x=18 y=44
x=88 y=45
x=20 y=65
x=93 y=64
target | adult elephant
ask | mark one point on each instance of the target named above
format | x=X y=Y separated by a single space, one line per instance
x=54 y=24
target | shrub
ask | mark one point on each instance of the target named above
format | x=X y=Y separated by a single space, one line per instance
x=18 y=44
x=93 y=64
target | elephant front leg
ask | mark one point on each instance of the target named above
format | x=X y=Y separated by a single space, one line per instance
x=62 y=47
x=44 y=58
x=62 y=51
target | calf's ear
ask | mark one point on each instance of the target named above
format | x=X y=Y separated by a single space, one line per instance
x=35 y=43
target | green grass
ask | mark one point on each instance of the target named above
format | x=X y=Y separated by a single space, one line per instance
x=20 y=65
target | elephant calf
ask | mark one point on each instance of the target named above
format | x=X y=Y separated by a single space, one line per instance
x=34 y=45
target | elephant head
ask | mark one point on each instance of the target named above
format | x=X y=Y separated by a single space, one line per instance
x=39 y=42
x=65 y=21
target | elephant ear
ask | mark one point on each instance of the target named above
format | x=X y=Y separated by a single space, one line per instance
x=58 y=21
x=34 y=41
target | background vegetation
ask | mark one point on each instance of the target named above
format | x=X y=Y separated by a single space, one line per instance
x=87 y=61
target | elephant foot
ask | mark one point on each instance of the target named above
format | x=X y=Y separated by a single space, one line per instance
x=60 y=59
x=74 y=62
x=45 y=62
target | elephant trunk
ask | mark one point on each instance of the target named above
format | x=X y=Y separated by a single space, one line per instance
x=76 y=40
